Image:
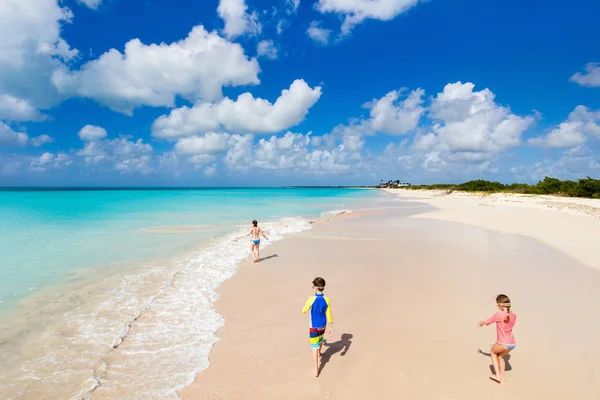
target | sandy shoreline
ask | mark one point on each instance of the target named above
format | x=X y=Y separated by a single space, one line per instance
x=408 y=285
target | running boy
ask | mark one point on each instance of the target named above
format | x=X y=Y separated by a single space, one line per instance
x=320 y=314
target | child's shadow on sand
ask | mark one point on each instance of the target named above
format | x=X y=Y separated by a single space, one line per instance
x=507 y=358
x=342 y=345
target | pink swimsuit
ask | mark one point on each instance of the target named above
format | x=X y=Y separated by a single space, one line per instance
x=504 y=333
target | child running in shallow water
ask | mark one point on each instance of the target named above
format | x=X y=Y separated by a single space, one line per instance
x=505 y=342
x=255 y=234
x=320 y=314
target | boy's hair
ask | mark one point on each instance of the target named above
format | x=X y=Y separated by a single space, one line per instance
x=319 y=283
x=254 y=222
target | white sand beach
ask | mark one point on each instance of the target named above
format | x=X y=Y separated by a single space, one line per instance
x=409 y=280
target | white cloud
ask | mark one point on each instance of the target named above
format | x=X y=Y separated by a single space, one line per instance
x=277 y=153
x=196 y=67
x=199 y=159
x=471 y=121
x=281 y=24
x=240 y=152
x=92 y=132
x=237 y=20
x=93 y=4
x=11 y=138
x=32 y=26
x=40 y=140
x=580 y=124
x=388 y=115
x=31 y=47
x=211 y=170
x=356 y=11
x=244 y=115
x=573 y=163
x=591 y=77
x=210 y=143
x=14 y=109
x=394 y=117
x=290 y=152
x=292 y=6
x=50 y=160
x=318 y=34
x=122 y=154
x=284 y=14
x=266 y=48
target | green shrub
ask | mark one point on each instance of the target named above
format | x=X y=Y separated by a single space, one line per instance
x=586 y=187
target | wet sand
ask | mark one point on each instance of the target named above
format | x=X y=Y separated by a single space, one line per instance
x=407 y=293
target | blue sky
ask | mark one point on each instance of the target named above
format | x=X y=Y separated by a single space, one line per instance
x=257 y=92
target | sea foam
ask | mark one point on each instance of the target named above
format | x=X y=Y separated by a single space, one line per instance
x=145 y=334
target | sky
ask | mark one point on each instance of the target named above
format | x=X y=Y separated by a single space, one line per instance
x=297 y=92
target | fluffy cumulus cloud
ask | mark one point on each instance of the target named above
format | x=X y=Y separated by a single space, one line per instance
x=14 y=109
x=591 y=77
x=469 y=121
x=237 y=20
x=266 y=48
x=393 y=114
x=317 y=33
x=247 y=114
x=210 y=143
x=91 y=132
x=50 y=160
x=581 y=123
x=356 y=11
x=123 y=154
x=291 y=152
x=11 y=138
x=196 y=68
x=460 y=130
x=394 y=117
x=31 y=47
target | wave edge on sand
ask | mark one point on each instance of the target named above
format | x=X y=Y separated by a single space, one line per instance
x=151 y=331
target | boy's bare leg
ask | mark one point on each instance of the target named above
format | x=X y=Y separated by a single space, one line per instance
x=316 y=360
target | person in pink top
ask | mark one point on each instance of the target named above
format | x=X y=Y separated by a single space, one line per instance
x=505 y=341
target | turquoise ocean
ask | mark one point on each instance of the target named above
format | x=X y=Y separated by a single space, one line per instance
x=109 y=293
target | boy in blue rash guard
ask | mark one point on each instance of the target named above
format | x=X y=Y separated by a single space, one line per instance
x=320 y=314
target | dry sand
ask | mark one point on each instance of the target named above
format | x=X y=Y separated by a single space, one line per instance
x=407 y=293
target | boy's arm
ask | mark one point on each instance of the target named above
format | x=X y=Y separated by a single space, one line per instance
x=329 y=316
x=308 y=305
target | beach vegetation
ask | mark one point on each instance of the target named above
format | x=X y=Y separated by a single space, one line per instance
x=585 y=187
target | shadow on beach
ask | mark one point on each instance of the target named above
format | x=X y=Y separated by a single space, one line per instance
x=268 y=257
x=507 y=358
x=342 y=345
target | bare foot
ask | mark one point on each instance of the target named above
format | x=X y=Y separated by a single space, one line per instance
x=255 y=261
x=316 y=373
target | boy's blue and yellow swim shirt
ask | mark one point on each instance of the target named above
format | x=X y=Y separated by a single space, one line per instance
x=320 y=310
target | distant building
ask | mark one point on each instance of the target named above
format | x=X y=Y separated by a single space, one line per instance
x=393 y=184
